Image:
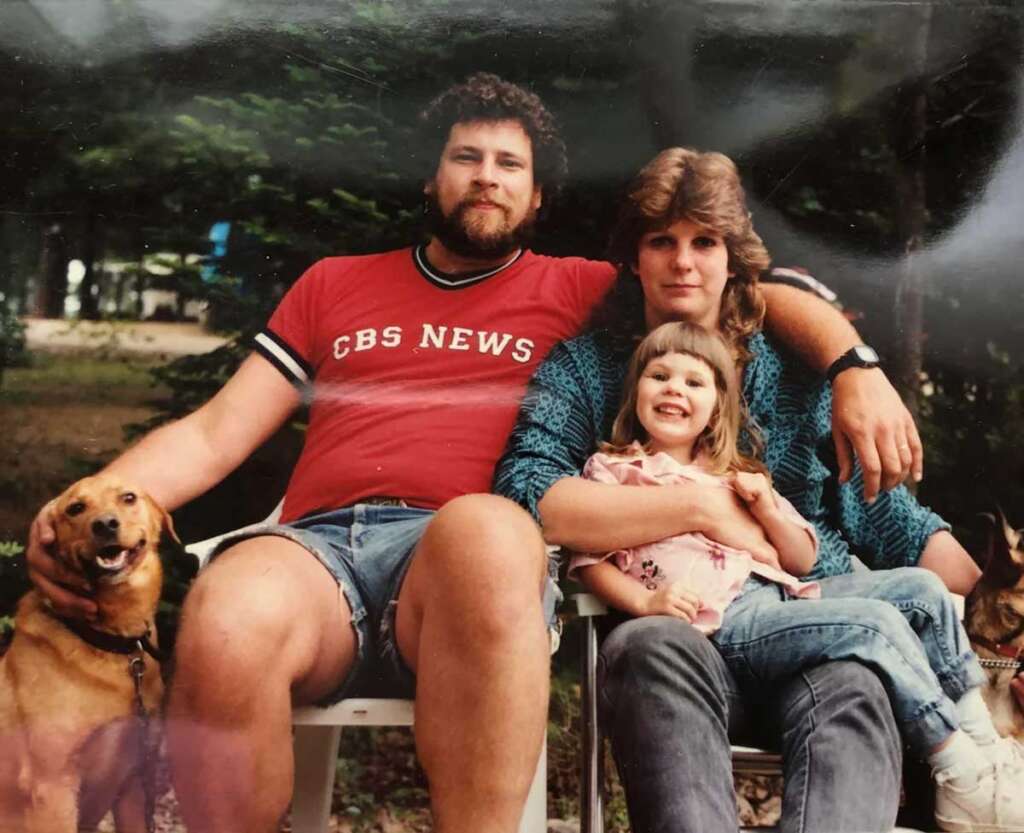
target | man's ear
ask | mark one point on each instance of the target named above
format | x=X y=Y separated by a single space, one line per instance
x=429 y=187
x=538 y=197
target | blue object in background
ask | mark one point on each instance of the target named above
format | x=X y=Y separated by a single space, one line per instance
x=219 y=233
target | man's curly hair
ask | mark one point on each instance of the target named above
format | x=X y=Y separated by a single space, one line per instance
x=485 y=97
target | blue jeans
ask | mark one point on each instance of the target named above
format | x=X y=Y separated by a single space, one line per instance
x=367 y=549
x=670 y=706
x=899 y=623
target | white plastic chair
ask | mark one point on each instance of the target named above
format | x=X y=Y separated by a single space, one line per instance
x=317 y=739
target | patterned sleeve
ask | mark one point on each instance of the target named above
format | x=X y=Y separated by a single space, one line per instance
x=891 y=532
x=793 y=407
x=555 y=432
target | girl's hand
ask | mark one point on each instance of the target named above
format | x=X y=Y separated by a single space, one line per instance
x=674 y=599
x=755 y=489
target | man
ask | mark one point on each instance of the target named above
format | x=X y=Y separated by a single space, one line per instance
x=416 y=360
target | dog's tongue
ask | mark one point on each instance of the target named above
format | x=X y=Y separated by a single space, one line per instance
x=112 y=562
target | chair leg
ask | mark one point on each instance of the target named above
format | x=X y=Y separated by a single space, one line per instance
x=535 y=813
x=592 y=769
x=316 y=757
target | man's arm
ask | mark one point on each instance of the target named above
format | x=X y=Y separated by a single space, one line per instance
x=868 y=416
x=178 y=462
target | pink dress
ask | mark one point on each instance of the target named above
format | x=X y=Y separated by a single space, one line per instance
x=714 y=571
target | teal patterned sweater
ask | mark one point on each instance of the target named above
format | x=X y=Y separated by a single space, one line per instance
x=574 y=396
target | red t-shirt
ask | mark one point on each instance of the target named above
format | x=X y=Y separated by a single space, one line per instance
x=415 y=377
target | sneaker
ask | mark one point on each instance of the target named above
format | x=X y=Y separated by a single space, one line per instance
x=1009 y=754
x=990 y=805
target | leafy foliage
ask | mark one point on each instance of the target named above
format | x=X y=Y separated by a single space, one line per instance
x=13 y=585
x=12 y=340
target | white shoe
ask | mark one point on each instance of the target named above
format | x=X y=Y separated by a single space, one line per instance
x=1010 y=755
x=991 y=805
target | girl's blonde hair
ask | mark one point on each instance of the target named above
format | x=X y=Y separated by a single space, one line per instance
x=719 y=442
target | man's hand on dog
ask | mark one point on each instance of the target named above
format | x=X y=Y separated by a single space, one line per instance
x=1017 y=687
x=870 y=419
x=68 y=592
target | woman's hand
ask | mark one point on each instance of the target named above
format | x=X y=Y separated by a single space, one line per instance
x=67 y=591
x=674 y=599
x=726 y=518
x=870 y=419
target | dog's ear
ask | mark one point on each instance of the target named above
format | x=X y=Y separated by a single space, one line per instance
x=1004 y=560
x=166 y=523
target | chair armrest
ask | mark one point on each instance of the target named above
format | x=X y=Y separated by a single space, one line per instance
x=202 y=549
x=587 y=605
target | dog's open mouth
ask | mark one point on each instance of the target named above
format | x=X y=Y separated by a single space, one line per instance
x=114 y=558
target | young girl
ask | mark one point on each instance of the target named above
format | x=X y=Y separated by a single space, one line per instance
x=680 y=419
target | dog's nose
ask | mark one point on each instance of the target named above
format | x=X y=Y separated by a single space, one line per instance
x=105 y=526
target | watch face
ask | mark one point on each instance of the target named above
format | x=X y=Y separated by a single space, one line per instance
x=865 y=354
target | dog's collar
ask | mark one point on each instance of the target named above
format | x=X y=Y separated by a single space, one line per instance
x=1011 y=652
x=111 y=642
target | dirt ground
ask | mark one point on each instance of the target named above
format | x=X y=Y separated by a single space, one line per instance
x=65 y=415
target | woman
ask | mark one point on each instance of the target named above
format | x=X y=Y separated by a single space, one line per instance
x=688 y=252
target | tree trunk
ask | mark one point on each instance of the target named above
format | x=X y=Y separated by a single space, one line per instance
x=92 y=247
x=53 y=274
x=912 y=217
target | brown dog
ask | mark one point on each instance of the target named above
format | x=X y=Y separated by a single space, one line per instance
x=994 y=621
x=72 y=735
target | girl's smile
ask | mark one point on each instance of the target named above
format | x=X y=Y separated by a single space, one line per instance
x=675 y=400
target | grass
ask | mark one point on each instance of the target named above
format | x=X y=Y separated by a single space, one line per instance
x=87 y=379
x=61 y=418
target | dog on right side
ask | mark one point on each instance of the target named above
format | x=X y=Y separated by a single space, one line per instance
x=994 y=620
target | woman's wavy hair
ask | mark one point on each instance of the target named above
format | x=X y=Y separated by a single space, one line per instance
x=705 y=188
x=484 y=97
x=719 y=443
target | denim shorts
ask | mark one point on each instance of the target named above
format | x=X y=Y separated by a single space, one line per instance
x=367 y=548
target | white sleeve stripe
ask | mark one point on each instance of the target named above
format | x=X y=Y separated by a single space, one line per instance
x=282 y=356
x=785 y=275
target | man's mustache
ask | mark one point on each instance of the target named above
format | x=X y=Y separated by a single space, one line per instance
x=467 y=203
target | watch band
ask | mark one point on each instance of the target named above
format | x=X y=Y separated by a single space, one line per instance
x=858 y=356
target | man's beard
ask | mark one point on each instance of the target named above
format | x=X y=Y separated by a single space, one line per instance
x=459 y=238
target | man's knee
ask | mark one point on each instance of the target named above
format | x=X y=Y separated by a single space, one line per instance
x=238 y=615
x=483 y=537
